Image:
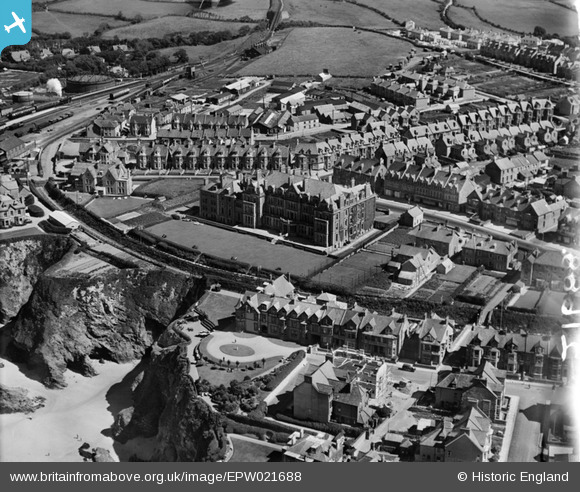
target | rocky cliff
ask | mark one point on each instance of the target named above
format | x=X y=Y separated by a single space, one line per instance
x=21 y=264
x=70 y=317
x=14 y=400
x=66 y=318
x=166 y=406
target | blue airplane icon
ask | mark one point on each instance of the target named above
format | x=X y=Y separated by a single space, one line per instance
x=16 y=17
x=17 y=23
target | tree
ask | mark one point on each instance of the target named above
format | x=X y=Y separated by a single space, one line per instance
x=263 y=361
x=539 y=31
x=229 y=362
x=181 y=55
x=237 y=364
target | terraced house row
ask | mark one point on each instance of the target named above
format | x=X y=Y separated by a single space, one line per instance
x=276 y=310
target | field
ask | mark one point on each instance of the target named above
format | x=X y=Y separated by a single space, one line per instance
x=77 y=25
x=11 y=78
x=108 y=207
x=142 y=220
x=468 y=68
x=169 y=188
x=129 y=8
x=353 y=271
x=343 y=51
x=510 y=85
x=172 y=25
x=482 y=288
x=527 y=301
x=256 y=9
x=440 y=288
x=334 y=13
x=252 y=451
x=247 y=249
x=201 y=52
x=524 y=15
x=467 y=18
x=425 y=13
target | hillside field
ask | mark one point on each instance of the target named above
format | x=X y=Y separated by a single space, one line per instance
x=76 y=24
x=524 y=15
x=129 y=8
x=172 y=25
x=255 y=9
x=425 y=13
x=344 y=52
x=333 y=13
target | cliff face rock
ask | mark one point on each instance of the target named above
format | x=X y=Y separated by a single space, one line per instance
x=72 y=318
x=166 y=406
x=21 y=264
x=14 y=400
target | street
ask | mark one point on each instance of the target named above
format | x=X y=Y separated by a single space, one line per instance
x=496 y=231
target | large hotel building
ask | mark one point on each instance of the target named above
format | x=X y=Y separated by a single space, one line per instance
x=325 y=214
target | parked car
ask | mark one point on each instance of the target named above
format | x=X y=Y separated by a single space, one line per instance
x=408 y=368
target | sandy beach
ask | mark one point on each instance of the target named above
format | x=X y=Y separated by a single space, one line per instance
x=74 y=415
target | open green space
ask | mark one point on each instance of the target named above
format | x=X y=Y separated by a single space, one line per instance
x=252 y=452
x=169 y=25
x=510 y=85
x=334 y=13
x=425 y=13
x=237 y=350
x=245 y=248
x=206 y=53
x=17 y=79
x=468 y=19
x=169 y=187
x=255 y=9
x=355 y=270
x=524 y=15
x=108 y=207
x=344 y=52
x=76 y=24
x=129 y=8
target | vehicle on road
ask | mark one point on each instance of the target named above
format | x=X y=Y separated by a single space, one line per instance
x=408 y=368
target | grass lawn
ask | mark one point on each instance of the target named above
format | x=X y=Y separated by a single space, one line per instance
x=247 y=249
x=357 y=269
x=344 y=52
x=334 y=13
x=76 y=24
x=108 y=207
x=528 y=300
x=11 y=77
x=202 y=52
x=169 y=188
x=551 y=303
x=219 y=306
x=524 y=15
x=145 y=220
x=425 y=13
x=162 y=26
x=129 y=8
x=251 y=451
x=220 y=375
x=255 y=9
x=468 y=19
x=509 y=85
